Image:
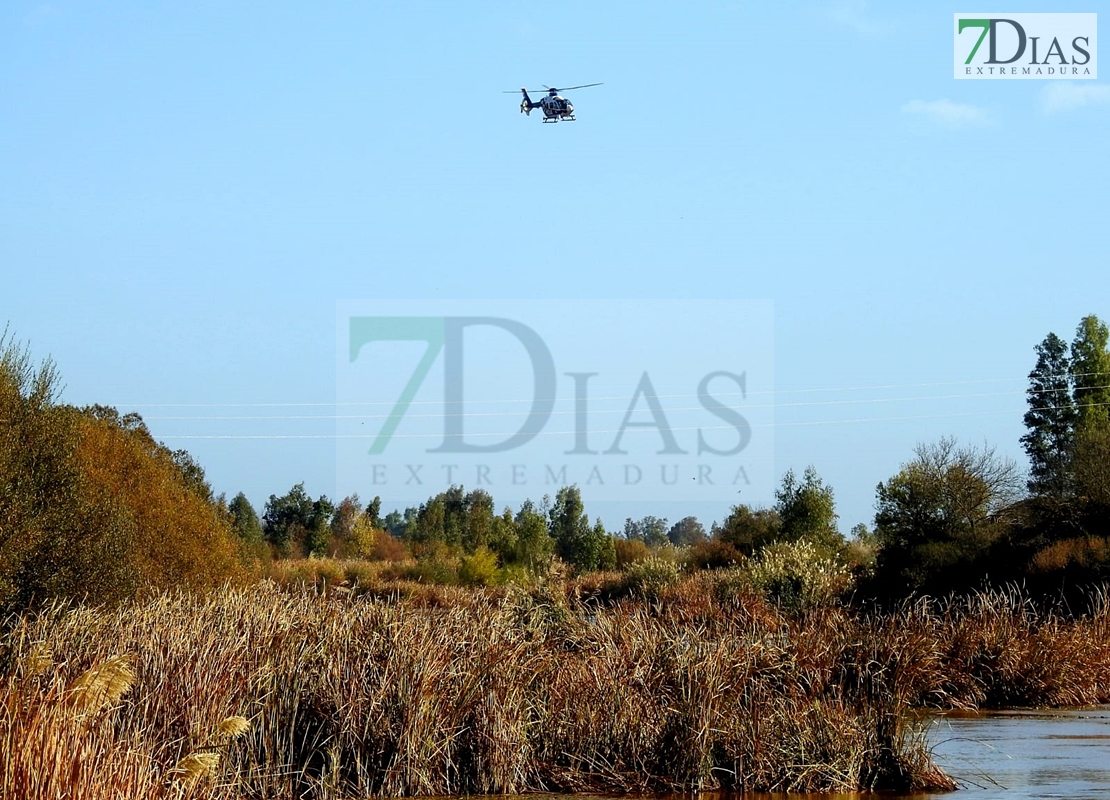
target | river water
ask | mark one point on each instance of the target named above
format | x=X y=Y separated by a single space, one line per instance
x=1025 y=754
x=1008 y=755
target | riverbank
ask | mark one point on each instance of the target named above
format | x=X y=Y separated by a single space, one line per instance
x=277 y=692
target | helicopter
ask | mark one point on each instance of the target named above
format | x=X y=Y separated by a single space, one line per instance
x=554 y=106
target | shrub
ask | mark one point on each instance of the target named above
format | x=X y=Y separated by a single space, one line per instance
x=714 y=554
x=795 y=575
x=650 y=577
x=630 y=551
x=479 y=568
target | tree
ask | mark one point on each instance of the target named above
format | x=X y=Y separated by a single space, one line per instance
x=1091 y=464
x=244 y=520
x=586 y=548
x=295 y=524
x=503 y=537
x=91 y=507
x=191 y=472
x=1090 y=369
x=807 y=510
x=686 y=532
x=534 y=545
x=343 y=520
x=479 y=520
x=936 y=519
x=374 y=513
x=1050 y=420
x=652 y=531
x=569 y=527
x=604 y=546
x=749 y=530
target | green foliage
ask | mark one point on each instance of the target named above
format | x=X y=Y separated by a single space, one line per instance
x=479 y=568
x=570 y=528
x=295 y=524
x=604 y=546
x=807 y=511
x=463 y=521
x=1091 y=464
x=686 y=532
x=749 y=530
x=343 y=519
x=798 y=575
x=1090 y=365
x=936 y=519
x=373 y=513
x=584 y=547
x=648 y=578
x=503 y=538
x=244 y=520
x=652 y=531
x=534 y=545
x=1050 y=420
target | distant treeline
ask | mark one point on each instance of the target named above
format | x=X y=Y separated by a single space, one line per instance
x=92 y=506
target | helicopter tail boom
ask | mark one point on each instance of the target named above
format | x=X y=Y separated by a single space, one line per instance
x=526 y=105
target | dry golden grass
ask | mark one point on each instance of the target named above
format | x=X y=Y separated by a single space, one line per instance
x=268 y=692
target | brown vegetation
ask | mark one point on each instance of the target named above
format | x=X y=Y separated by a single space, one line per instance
x=704 y=685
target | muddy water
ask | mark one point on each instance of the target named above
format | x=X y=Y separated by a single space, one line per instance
x=1026 y=754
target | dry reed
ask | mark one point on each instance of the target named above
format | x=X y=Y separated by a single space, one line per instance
x=265 y=692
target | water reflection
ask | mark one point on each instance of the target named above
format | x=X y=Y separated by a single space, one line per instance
x=1008 y=755
x=1026 y=754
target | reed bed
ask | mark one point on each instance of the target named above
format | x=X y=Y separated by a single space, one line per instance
x=275 y=693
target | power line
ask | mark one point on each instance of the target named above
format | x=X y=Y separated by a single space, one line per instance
x=596 y=432
x=812 y=390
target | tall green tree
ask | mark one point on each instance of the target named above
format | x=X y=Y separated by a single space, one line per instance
x=807 y=510
x=1050 y=420
x=585 y=547
x=1090 y=368
x=650 y=530
x=534 y=545
x=244 y=520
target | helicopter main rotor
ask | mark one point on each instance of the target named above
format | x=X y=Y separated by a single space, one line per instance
x=553 y=89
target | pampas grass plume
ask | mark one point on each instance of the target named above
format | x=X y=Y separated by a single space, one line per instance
x=102 y=685
x=234 y=727
x=195 y=766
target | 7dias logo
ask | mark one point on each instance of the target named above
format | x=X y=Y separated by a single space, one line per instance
x=1026 y=46
x=630 y=400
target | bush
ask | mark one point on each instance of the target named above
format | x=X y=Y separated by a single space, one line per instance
x=630 y=552
x=91 y=506
x=713 y=554
x=650 y=577
x=478 y=568
x=796 y=576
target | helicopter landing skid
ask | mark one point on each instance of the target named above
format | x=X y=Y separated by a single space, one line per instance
x=558 y=119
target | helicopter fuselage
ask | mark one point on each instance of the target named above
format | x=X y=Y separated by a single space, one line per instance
x=556 y=108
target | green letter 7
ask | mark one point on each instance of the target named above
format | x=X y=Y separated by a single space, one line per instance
x=399 y=329
x=985 y=24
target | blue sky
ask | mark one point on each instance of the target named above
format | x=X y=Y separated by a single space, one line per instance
x=187 y=190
